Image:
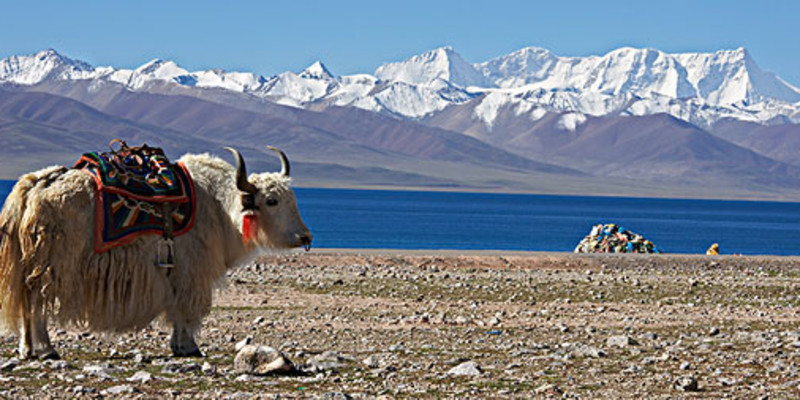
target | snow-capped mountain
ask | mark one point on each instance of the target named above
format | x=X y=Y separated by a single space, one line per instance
x=439 y=64
x=47 y=64
x=701 y=88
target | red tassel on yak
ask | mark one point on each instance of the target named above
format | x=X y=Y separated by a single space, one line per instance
x=249 y=227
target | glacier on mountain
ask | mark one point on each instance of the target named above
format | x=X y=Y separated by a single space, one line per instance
x=700 y=88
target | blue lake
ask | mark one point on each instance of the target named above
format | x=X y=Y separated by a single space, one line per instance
x=341 y=218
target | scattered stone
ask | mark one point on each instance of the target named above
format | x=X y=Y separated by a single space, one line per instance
x=397 y=347
x=245 y=378
x=371 y=362
x=633 y=369
x=190 y=367
x=119 y=389
x=171 y=368
x=261 y=360
x=141 y=377
x=244 y=342
x=714 y=331
x=335 y=396
x=99 y=370
x=621 y=341
x=140 y=358
x=588 y=351
x=729 y=381
x=208 y=369
x=548 y=389
x=685 y=366
x=649 y=336
x=9 y=365
x=59 y=364
x=328 y=360
x=455 y=361
x=469 y=368
x=686 y=384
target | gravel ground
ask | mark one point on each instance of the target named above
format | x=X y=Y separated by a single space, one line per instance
x=391 y=324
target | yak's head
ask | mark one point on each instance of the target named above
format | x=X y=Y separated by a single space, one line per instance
x=270 y=205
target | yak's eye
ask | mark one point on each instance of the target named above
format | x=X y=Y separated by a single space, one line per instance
x=272 y=202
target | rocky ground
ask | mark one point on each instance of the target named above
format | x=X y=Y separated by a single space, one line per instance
x=366 y=324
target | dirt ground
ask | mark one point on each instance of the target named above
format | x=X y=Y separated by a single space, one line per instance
x=391 y=324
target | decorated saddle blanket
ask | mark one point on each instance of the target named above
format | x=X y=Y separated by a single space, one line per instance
x=136 y=188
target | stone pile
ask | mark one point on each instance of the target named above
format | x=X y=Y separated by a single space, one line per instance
x=611 y=238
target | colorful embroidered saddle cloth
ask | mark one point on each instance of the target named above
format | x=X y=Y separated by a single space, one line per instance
x=136 y=187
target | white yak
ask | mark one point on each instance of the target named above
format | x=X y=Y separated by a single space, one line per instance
x=49 y=269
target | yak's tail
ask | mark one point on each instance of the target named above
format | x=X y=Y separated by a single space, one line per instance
x=18 y=242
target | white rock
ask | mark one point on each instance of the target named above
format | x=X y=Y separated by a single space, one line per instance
x=621 y=341
x=120 y=389
x=141 y=377
x=261 y=360
x=469 y=368
x=244 y=342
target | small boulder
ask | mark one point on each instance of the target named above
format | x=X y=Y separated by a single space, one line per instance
x=371 y=362
x=548 y=389
x=469 y=368
x=588 y=351
x=621 y=341
x=208 y=369
x=261 y=360
x=686 y=384
x=119 y=390
x=244 y=342
x=328 y=360
x=8 y=365
x=141 y=377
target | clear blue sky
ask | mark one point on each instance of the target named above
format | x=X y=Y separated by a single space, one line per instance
x=269 y=37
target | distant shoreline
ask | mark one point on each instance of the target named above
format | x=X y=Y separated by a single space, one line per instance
x=468 y=190
x=520 y=253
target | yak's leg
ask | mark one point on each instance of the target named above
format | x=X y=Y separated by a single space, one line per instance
x=25 y=349
x=183 y=330
x=34 y=341
x=42 y=347
x=182 y=342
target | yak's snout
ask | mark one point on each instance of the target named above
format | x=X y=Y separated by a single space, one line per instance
x=304 y=240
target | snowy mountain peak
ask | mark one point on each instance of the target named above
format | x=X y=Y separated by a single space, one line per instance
x=46 y=64
x=317 y=70
x=697 y=87
x=524 y=66
x=442 y=63
x=161 y=69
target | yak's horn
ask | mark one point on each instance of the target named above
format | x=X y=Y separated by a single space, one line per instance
x=285 y=167
x=241 y=173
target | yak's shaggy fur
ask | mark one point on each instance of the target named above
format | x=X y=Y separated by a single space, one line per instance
x=48 y=266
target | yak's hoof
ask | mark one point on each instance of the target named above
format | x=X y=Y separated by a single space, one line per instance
x=50 y=355
x=195 y=353
x=26 y=354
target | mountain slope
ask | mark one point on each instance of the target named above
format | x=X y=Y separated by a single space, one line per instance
x=656 y=147
x=780 y=142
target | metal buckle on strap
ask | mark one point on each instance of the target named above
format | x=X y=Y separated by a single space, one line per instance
x=165 y=255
